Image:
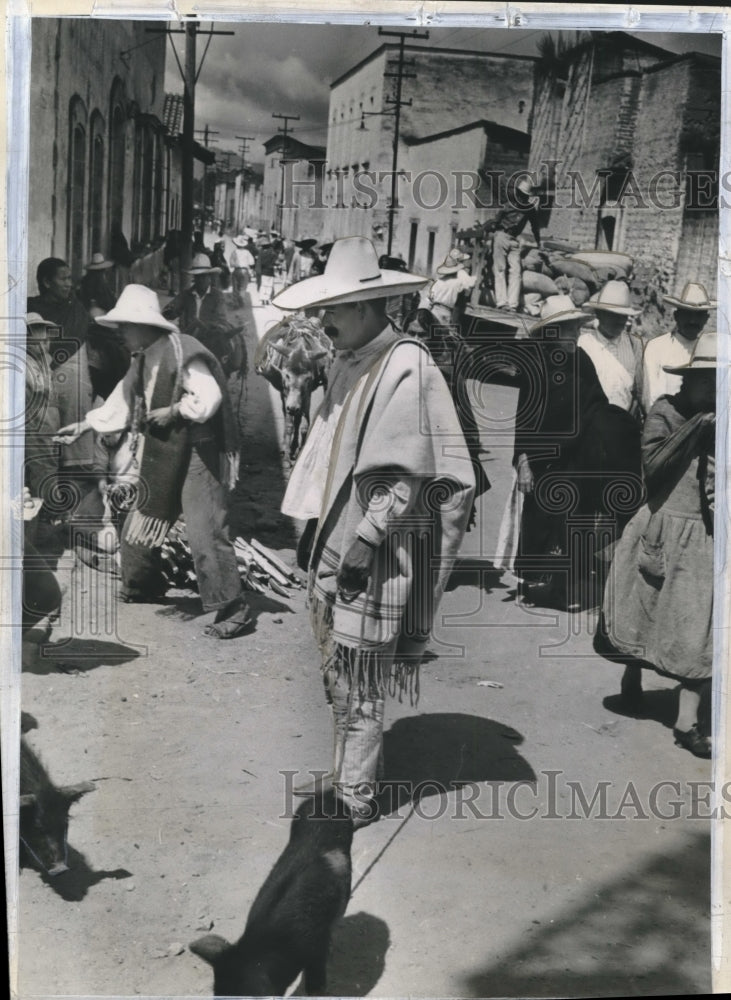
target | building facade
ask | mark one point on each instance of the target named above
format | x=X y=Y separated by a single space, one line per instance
x=448 y=89
x=99 y=163
x=451 y=181
x=629 y=135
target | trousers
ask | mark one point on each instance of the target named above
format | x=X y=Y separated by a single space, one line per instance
x=206 y=521
x=357 y=735
x=506 y=261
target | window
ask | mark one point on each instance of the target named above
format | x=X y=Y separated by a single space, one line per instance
x=76 y=186
x=96 y=184
x=430 y=250
x=117 y=126
x=412 y=243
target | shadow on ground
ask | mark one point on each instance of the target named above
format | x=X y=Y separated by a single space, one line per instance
x=475 y=572
x=358 y=955
x=74 y=655
x=73 y=885
x=427 y=755
x=645 y=934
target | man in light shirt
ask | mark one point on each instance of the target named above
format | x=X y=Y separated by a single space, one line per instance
x=242 y=266
x=385 y=482
x=182 y=439
x=692 y=309
x=615 y=352
x=444 y=292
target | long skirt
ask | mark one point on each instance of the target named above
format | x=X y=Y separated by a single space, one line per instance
x=658 y=601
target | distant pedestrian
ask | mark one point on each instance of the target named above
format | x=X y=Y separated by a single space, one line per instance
x=266 y=264
x=300 y=266
x=218 y=260
x=94 y=289
x=201 y=310
x=242 y=266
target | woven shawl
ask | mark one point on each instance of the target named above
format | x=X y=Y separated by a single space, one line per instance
x=397 y=423
x=167 y=450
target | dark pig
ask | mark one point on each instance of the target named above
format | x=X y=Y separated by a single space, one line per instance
x=290 y=922
x=44 y=814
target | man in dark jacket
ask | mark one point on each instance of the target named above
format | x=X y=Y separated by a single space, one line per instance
x=58 y=304
x=201 y=312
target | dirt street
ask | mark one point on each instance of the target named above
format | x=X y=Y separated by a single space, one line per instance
x=494 y=883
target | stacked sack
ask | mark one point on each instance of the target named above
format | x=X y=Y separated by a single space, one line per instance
x=558 y=269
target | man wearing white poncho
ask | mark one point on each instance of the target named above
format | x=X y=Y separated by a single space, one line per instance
x=386 y=484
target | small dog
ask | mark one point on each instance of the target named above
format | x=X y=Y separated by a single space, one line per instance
x=290 y=922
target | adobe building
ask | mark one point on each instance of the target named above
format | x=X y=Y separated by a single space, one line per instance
x=629 y=134
x=457 y=178
x=448 y=89
x=281 y=207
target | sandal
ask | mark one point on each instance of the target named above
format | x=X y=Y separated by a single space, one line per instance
x=692 y=740
x=230 y=628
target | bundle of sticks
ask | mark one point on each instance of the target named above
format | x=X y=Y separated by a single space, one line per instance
x=259 y=567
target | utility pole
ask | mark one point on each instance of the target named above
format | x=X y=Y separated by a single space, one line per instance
x=190 y=77
x=287 y=119
x=396 y=101
x=245 y=140
x=207 y=132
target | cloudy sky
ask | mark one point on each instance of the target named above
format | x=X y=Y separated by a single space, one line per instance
x=286 y=68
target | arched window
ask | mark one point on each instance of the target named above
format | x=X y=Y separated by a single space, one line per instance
x=76 y=186
x=96 y=241
x=117 y=128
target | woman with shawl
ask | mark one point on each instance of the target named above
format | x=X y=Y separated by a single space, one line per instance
x=658 y=602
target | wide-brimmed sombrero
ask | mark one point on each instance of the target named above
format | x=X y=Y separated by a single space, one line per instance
x=202 y=265
x=351 y=274
x=137 y=304
x=558 y=309
x=453 y=262
x=704 y=356
x=98 y=263
x=694 y=297
x=613 y=297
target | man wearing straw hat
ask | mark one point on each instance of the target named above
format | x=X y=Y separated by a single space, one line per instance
x=385 y=483
x=691 y=311
x=173 y=403
x=93 y=287
x=453 y=280
x=242 y=265
x=616 y=353
x=201 y=309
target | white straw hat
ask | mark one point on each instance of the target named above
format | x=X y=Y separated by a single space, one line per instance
x=704 y=356
x=137 y=304
x=351 y=274
x=694 y=298
x=35 y=319
x=201 y=265
x=453 y=262
x=614 y=297
x=559 y=309
x=98 y=263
